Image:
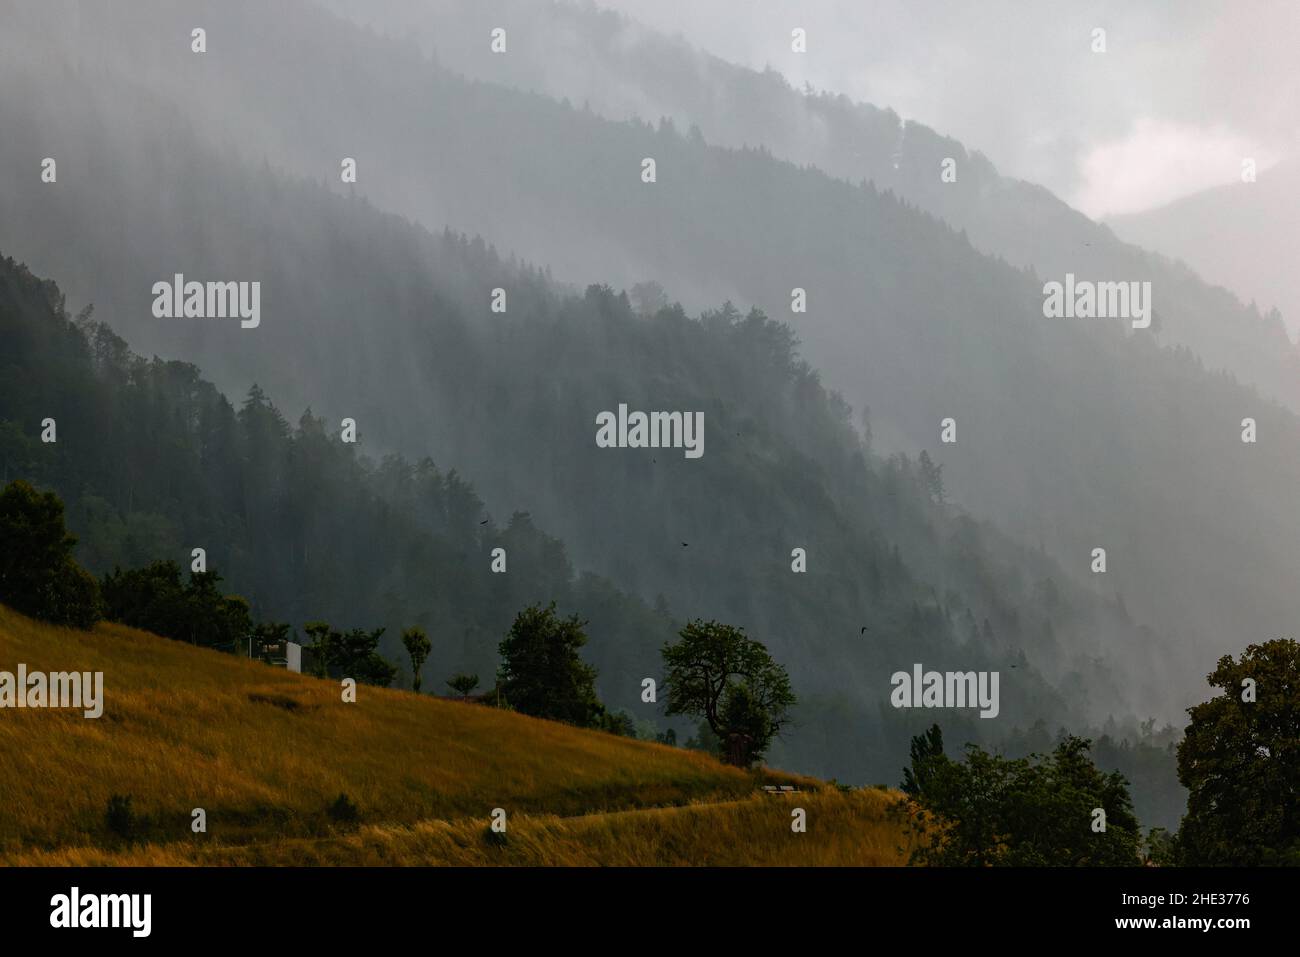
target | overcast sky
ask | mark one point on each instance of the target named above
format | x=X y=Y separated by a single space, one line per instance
x=1185 y=90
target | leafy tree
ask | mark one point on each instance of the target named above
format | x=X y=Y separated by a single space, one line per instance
x=214 y=618
x=153 y=598
x=38 y=574
x=927 y=758
x=717 y=673
x=1160 y=849
x=748 y=724
x=322 y=648
x=418 y=647
x=541 y=671
x=359 y=658
x=349 y=654
x=463 y=684
x=1240 y=762
x=1028 y=812
x=73 y=597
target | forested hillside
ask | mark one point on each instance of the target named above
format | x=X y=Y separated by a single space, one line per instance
x=620 y=69
x=153 y=461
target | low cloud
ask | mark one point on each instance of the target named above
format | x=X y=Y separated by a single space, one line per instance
x=1158 y=162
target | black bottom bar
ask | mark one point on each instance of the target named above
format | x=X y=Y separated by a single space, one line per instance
x=444 y=906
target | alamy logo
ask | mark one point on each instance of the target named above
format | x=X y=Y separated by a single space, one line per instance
x=653 y=430
x=1084 y=299
x=211 y=300
x=58 y=689
x=949 y=689
x=134 y=911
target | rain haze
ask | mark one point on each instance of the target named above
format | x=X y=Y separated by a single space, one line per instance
x=900 y=339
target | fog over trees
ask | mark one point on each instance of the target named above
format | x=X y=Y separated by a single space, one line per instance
x=523 y=173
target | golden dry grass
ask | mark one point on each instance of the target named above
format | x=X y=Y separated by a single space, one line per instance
x=264 y=751
x=852 y=828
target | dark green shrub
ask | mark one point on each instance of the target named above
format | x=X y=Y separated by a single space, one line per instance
x=120 y=817
x=344 y=810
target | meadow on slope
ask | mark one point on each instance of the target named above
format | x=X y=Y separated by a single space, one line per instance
x=264 y=752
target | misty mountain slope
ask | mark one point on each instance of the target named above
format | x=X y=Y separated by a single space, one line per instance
x=1242 y=236
x=153 y=461
x=714 y=535
x=409 y=311
x=308 y=530
x=621 y=69
x=1072 y=434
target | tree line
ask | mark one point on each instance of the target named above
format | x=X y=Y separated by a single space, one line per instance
x=714 y=673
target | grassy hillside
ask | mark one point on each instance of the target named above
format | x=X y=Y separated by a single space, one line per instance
x=845 y=829
x=264 y=752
